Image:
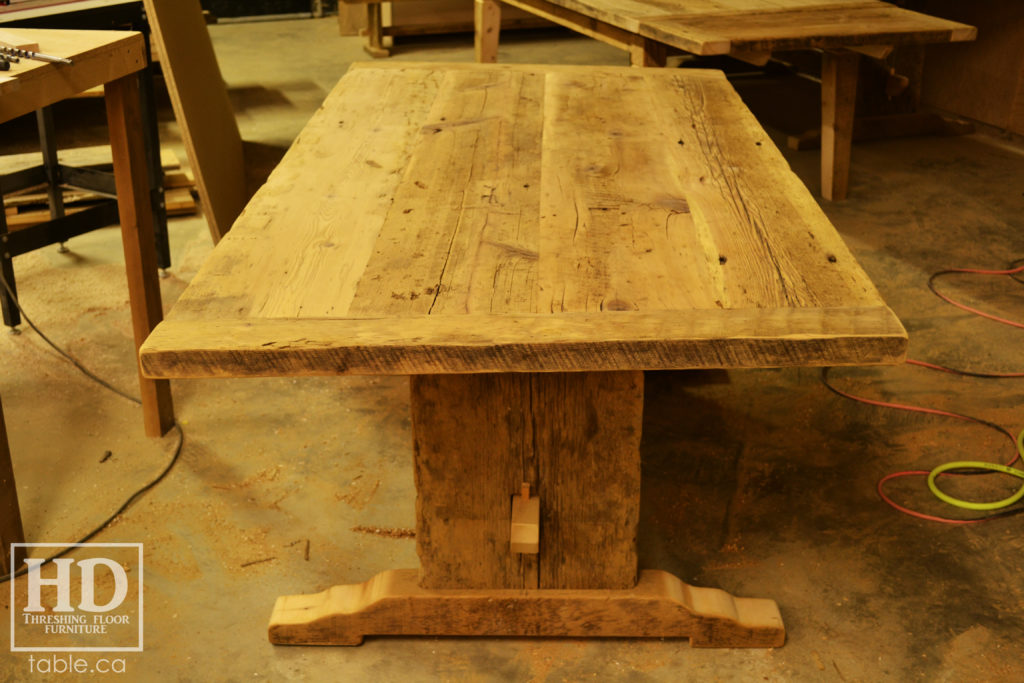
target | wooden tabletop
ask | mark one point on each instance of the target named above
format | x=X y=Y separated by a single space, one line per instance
x=32 y=9
x=472 y=218
x=712 y=27
x=99 y=57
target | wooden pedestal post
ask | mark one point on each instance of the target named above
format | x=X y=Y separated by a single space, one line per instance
x=575 y=439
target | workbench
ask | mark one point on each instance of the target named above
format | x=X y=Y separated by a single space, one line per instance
x=90 y=15
x=112 y=59
x=750 y=30
x=525 y=241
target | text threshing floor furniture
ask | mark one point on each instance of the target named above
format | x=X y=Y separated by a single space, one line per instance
x=750 y=30
x=524 y=242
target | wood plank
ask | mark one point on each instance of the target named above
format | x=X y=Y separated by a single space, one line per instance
x=32 y=9
x=660 y=605
x=92 y=156
x=768 y=240
x=26 y=219
x=826 y=25
x=487 y=22
x=202 y=109
x=18 y=40
x=336 y=222
x=467 y=201
x=699 y=339
x=125 y=122
x=581 y=23
x=574 y=437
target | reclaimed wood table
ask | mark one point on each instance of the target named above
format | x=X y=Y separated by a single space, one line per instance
x=112 y=59
x=750 y=30
x=524 y=242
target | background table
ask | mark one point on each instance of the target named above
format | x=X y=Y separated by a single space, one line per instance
x=525 y=241
x=749 y=30
x=112 y=59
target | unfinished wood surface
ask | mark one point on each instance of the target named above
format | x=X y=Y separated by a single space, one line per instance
x=749 y=30
x=392 y=603
x=747 y=338
x=581 y=23
x=35 y=9
x=11 y=530
x=468 y=219
x=99 y=57
x=709 y=27
x=93 y=156
x=573 y=437
x=838 y=98
x=487 y=20
x=17 y=39
x=647 y=52
x=757 y=25
x=202 y=109
x=125 y=122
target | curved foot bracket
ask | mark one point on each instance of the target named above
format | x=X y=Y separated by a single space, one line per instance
x=659 y=606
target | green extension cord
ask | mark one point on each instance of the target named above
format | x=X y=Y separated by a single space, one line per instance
x=969 y=505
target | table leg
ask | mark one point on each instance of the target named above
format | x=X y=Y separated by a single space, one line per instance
x=575 y=438
x=133 y=203
x=838 y=96
x=645 y=52
x=486 y=30
x=48 y=145
x=10 y=514
x=12 y=317
x=375 y=31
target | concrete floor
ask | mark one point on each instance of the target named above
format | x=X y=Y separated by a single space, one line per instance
x=758 y=482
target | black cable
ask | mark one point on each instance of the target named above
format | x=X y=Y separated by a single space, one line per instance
x=85 y=371
x=67 y=356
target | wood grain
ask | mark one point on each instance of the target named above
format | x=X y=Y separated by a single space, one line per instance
x=759 y=26
x=839 y=72
x=18 y=40
x=748 y=338
x=392 y=603
x=202 y=109
x=137 y=236
x=487 y=24
x=468 y=219
x=574 y=437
